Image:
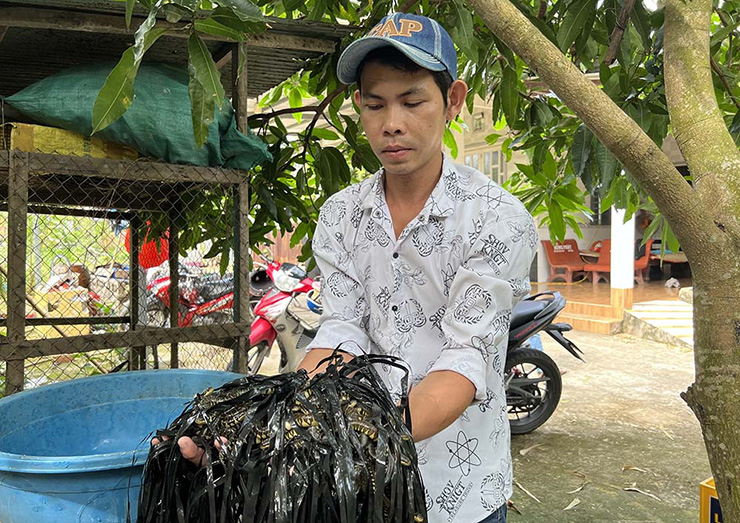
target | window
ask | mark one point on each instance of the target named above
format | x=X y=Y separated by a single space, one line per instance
x=495 y=171
x=476 y=161
x=468 y=160
x=487 y=163
x=478 y=122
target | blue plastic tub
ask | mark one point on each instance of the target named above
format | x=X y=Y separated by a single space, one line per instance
x=74 y=451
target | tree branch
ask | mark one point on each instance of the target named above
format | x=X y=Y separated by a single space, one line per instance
x=615 y=39
x=280 y=112
x=543 y=10
x=323 y=105
x=697 y=121
x=728 y=87
x=689 y=219
x=408 y=4
x=318 y=109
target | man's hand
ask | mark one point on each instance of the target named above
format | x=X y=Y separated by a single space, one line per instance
x=189 y=450
x=437 y=401
x=315 y=356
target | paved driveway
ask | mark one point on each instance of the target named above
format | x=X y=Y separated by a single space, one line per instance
x=620 y=424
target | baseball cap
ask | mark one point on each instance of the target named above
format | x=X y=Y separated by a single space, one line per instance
x=421 y=39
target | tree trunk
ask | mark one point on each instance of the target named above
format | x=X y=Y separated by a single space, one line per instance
x=714 y=162
x=705 y=219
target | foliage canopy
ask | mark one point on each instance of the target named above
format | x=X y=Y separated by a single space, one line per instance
x=619 y=44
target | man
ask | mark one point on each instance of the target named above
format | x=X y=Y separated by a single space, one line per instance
x=425 y=260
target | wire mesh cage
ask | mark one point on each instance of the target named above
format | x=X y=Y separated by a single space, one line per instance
x=112 y=263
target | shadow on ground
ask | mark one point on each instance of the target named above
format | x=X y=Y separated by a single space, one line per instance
x=620 y=424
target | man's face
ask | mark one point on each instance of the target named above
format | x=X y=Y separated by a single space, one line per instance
x=404 y=117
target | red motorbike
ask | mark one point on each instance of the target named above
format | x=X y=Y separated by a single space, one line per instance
x=202 y=300
x=275 y=320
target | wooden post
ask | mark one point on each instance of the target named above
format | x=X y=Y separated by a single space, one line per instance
x=17 y=218
x=136 y=354
x=241 y=215
x=174 y=289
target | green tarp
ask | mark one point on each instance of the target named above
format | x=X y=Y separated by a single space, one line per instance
x=158 y=123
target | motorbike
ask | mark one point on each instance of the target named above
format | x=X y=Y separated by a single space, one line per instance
x=203 y=300
x=531 y=377
x=275 y=320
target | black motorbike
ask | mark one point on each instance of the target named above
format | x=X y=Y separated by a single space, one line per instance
x=532 y=378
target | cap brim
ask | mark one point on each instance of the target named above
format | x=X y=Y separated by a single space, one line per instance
x=357 y=50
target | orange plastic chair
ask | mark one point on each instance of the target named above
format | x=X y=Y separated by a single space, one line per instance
x=564 y=259
x=602 y=267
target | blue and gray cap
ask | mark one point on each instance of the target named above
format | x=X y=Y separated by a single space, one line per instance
x=421 y=39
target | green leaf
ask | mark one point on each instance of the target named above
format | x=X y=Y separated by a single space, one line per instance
x=641 y=21
x=449 y=140
x=205 y=69
x=557 y=224
x=581 y=149
x=462 y=32
x=267 y=200
x=324 y=134
x=244 y=9
x=202 y=109
x=117 y=94
x=337 y=164
x=225 y=257
x=550 y=167
x=300 y=232
x=129 y=11
x=227 y=17
x=574 y=22
x=724 y=32
x=735 y=124
x=211 y=27
x=296 y=100
x=608 y=166
x=509 y=93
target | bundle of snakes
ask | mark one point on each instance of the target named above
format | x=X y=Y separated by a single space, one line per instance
x=329 y=449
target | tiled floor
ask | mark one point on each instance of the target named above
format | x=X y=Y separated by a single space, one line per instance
x=586 y=291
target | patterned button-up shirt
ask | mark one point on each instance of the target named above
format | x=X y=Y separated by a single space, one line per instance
x=439 y=297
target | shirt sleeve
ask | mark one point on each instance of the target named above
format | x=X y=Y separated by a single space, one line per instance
x=485 y=289
x=343 y=322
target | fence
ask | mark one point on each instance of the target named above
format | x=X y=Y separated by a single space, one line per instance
x=90 y=263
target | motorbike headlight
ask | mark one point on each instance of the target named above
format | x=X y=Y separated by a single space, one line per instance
x=285 y=282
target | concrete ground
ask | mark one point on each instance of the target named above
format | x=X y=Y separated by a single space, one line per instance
x=620 y=424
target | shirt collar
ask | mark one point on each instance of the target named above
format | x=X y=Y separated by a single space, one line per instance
x=439 y=203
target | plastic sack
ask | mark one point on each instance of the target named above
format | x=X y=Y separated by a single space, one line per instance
x=158 y=123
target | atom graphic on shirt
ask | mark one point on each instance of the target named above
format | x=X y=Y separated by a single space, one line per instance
x=463 y=453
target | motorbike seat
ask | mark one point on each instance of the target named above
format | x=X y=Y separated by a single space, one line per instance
x=525 y=311
x=215 y=289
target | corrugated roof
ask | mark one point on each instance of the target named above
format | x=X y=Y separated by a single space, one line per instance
x=28 y=54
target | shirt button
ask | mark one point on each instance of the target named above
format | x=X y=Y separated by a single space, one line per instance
x=394 y=308
x=395 y=255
